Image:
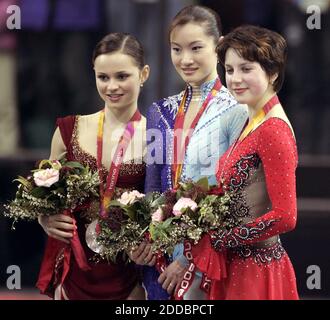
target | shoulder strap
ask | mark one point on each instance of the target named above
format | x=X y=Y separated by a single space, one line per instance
x=66 y=126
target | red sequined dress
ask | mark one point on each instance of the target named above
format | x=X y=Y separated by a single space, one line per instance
x=103 y=280
x=260 y=173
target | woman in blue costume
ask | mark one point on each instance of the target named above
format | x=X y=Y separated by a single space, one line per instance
x=206 y=113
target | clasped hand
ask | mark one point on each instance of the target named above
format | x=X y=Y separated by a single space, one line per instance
x=143 y=255
x=58 y=226
x=172 y=276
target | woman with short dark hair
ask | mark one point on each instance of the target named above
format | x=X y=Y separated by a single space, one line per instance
x=258 y=171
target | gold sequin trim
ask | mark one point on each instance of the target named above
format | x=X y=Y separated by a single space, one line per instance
x=132 y=167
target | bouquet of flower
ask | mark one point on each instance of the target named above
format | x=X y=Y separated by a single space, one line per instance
x=186 y=213
x=55 y=186
x=163 y=219
x=126 y=225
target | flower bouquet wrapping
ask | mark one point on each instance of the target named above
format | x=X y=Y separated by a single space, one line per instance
x=54 y=187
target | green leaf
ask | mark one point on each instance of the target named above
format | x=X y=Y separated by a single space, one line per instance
x=116 y=203
x=23 y=181
x=152 y=231
x=74 y=164
x=143 y=231
x=179 y=194
x=165 y=224
x=39 y=192
x=159 y=201
x=60 y=190
x=203 y=183
x=131 y=213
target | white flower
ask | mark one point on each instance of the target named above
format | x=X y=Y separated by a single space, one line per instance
x=184 y=203
x=129 y=197
x=46 y=177
x=157 y=216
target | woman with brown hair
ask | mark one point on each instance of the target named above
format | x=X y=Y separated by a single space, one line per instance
x=94 y=140
x=259 y=171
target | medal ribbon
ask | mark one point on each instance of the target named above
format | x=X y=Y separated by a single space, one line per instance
x=178 y=132
x=106 y=193
x=248 y=128
x=259 y=116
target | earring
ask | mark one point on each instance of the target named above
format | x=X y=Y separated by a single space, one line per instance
x=141 y=85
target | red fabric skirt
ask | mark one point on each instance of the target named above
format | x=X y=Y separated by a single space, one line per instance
x=247 y=280
x=103 y=280
x=266 y=274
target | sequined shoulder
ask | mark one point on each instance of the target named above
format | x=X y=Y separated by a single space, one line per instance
x=170 y=104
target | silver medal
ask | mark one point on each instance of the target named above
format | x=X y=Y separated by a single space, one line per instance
x=91 y=236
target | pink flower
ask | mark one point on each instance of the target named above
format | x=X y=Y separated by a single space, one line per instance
x=130 y=197
x=183 y=203
x=157 y=216
x=46 y=177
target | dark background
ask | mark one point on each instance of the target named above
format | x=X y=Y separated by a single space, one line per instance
x=46 y=73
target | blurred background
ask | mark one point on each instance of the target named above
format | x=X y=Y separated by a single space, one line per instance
x=46 y=72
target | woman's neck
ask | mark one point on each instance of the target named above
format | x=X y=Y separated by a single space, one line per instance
x=254 y=109
x=196 y=94
x=119 y=115
x=196 y=88
x=212 y=76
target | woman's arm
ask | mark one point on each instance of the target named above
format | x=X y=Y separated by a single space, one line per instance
x=58 y=226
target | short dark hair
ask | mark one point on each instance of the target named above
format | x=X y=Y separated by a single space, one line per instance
x=122 y=42
x=201 y=15
x=264 y=46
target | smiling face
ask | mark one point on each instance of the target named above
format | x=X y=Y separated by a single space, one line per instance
x=193 y=53
x=118 y=79
x=246 y=80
